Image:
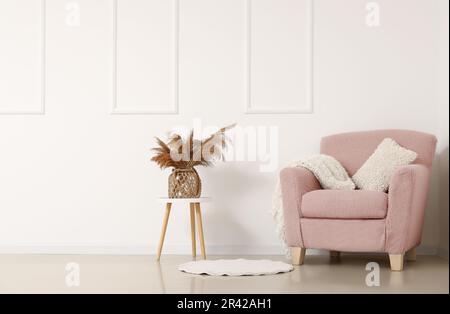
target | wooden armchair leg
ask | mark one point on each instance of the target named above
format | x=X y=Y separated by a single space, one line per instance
x=410 y=256
x=396 y=262
x=298 y=255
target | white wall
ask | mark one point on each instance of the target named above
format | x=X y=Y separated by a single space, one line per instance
x=78 y=178
x=443 y=103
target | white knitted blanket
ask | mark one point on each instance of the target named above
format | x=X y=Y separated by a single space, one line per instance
x=328 y=171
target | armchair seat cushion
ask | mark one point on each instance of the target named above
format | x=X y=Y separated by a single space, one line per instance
x=344 y=204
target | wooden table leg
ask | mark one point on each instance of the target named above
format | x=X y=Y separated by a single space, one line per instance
x=164 y=228
x=194 y=248
x=200 y=229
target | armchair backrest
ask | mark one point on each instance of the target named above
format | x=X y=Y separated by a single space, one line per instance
x=353 y=149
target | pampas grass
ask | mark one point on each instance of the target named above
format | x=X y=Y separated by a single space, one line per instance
x=178 y=153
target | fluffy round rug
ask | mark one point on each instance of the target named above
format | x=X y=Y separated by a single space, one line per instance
x=235 y=267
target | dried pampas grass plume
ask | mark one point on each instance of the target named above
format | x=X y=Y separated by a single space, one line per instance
x=193 y=152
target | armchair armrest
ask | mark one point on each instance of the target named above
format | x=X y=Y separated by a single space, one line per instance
x=294 y=183
x=408 y=192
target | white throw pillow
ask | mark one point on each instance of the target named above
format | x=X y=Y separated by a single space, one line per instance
x=376 y=173
x=329 y=172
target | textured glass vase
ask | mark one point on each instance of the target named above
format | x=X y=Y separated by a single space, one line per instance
x=184 y=183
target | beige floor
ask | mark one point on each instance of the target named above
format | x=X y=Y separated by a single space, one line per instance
x=141 y=274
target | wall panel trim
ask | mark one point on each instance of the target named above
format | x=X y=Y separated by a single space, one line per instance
x=42 y=49
x=115 y=108
x=309 y=107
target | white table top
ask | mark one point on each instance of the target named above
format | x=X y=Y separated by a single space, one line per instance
x=184 y=200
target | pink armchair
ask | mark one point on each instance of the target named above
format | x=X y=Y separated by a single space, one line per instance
x=359 y=221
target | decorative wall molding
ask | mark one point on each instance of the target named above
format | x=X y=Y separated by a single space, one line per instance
x=41 y=109
x=115 y=108
x=250 y=108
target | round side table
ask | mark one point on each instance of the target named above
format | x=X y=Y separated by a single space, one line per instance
x=195 y=210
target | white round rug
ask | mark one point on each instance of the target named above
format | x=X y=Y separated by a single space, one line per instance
x=235 y=267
